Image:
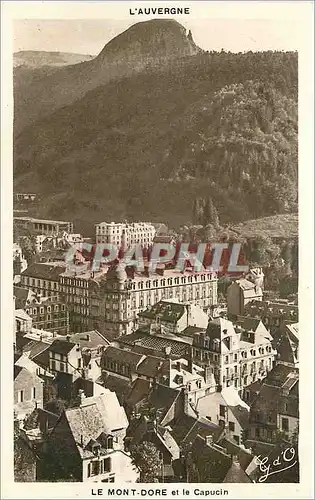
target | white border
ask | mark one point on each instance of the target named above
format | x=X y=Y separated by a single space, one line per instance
x=303 y=13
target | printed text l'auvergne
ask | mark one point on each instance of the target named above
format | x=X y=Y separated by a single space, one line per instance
x=161 y=11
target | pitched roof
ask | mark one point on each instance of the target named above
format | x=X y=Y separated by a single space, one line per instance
x=91 y=339
x=245 y=284
x=138 y=392
x=21 y=296
x=61 y=346
x=150 y=366
x=21 y=314
x=43 y=270
x=162 y=398
x=17 y=370
x=236 y=474
x=95 y=415
x=157 y=343
x=186 y=428
x=123 y=356
x=169 y=312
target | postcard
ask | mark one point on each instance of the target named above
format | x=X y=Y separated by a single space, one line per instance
x=157 y=205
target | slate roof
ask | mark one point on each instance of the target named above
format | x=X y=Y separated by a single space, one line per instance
x=169 y=312
x=186 y=428
x=163 y=397
x=61 y=346
x=17 y=371
x=95 y=339
x=94 y=416
x=122 y=355
x=116 y=384
x=157 y=343
x=44 y=271
x=35 y=347
x=150 y=366
x=248 y=323
x=21 y=296
x=138 y=392
x=236 y=474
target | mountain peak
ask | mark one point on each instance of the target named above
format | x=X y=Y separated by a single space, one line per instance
x=157 y=38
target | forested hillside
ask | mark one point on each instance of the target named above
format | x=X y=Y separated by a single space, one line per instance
x=217 y=125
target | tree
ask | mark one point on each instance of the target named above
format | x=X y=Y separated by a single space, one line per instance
x=145 y=457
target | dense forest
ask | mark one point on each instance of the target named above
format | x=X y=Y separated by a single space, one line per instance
x=149 y=145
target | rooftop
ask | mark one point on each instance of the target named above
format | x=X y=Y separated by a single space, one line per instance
x=43 y=270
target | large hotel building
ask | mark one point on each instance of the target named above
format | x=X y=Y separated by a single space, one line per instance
x=110 y=301
x=124 y=297
x=124 y=235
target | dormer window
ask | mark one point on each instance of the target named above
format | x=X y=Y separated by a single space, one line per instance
x=109 y=443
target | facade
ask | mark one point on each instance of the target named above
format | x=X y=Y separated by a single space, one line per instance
x=239 y=355
x=173 y=316
x=240 y=293
x=28 y=392
x=123 y=297
x=87 y=443
x=19 y=262
x=43 y=278
x=50 y=315
x=217 y=408
x=275 y=409
x=82 y=294
x=43 y=226
x=123 y=235
x=275 y=314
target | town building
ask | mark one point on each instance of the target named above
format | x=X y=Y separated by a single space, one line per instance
x=274 y=314
x=227 y=410
x=81 y=293
x=47 y=313
x=124 y=297
x=43 y=278
x=274 y=412
x=239 y=355
x=124 y=235
x=87 y=443
x=28 y=392
x=43 y=226
x=243 y=291
x=19 y=261
x=172 y=316
x=24 y=197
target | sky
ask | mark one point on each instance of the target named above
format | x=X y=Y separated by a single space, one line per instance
x=88 y=36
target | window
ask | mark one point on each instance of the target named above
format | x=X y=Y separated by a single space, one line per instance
x=109 y=443
x=222 y=411
x=62 y=367
x=95 y=469
x=79 y=362
x=107 y=466
x=21 y=396
x=231 y=426
x=53 y=365
x=34 y=392
x=285 y=424
x=236 y=439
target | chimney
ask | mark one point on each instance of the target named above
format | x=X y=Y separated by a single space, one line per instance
x=209 y=440
x=88 y=337
x=68 y=338
x=81 y=395
x=167 y=352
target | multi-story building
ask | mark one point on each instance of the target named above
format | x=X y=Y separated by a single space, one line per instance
x=82 y=294
x=87 y=443
x=173 y=316
x=43 y=226
x=243 y=291
x=275 y=314
x=239 y=354
x=275 y=409
x=50 y=315
x=28 y=391
x=43 y=278
x=123 y=297
x=125 y=234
